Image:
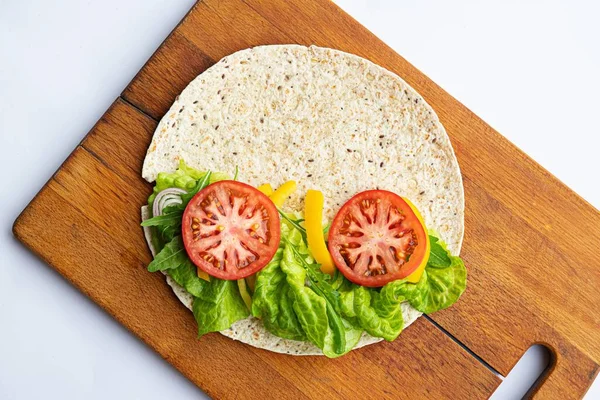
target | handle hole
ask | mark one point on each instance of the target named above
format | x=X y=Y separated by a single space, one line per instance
x=526 y=375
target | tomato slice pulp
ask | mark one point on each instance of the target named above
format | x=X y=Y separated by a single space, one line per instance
x=230 y=230
x=376 y=238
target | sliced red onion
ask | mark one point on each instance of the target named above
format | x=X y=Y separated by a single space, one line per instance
x=165 y=198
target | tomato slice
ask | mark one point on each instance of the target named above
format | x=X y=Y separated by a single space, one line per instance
x=230 y=230
x=376 y=238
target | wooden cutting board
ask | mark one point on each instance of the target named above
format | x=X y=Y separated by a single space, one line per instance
x=531 y=244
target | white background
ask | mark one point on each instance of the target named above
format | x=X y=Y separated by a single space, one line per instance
x=529 y=68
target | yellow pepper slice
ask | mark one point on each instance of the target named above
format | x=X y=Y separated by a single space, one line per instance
x=280 y=195
x=416 y=275
x=251 y=282
x=266 y=189
x=313 y=214
x=244 y=293
x=203 y=275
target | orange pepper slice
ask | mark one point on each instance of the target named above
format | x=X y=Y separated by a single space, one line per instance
x=203 y=275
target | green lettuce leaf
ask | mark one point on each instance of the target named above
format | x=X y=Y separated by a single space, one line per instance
x=347 y=302
x=171 y=256
x=439 y=257
x=218 y=306
x=184 y=177
x=316 y=310
x=353 y=335
x=165 y=227
x=167 y=219
x=439 y=287
x=273 y=302
x=292 y=222
x=310 y=308
x=186 y=275
x=378 y=313
x=185 y=198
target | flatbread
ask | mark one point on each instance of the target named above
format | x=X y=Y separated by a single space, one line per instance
x=330 y=120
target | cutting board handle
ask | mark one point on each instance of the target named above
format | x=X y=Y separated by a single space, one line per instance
x=538 y=389
x=560 y=376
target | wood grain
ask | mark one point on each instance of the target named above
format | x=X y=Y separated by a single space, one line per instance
x=530 y=242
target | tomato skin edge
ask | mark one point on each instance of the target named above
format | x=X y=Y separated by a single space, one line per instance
x=415 y=276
